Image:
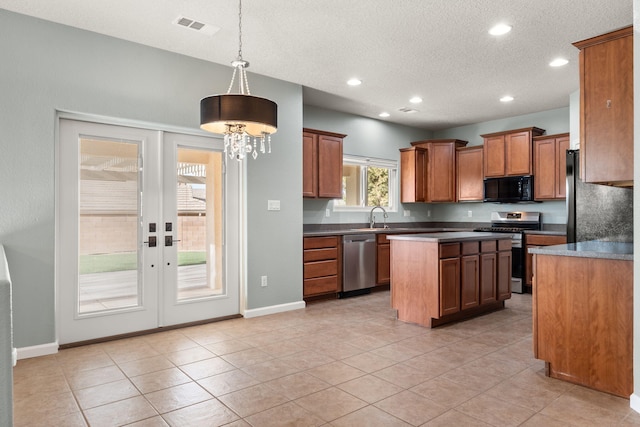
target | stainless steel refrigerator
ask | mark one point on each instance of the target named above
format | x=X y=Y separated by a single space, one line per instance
x=596 y=212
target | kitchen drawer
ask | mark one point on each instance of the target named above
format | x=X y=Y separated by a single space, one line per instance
x=320 y=285
x=320 y=269
x=321 y=242
x=449 y=250
x=489 y=245
x=382 y=239
x=320 y=254
x=545 y=240
x=469 y=248
x=504 y=245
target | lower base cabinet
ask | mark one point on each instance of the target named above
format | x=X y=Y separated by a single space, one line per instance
x=583 y=321
x=322 y=269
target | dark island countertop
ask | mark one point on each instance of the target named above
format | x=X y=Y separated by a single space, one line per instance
x=591 y=249
x=451 y=236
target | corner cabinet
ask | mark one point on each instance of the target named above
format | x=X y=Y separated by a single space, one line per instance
x=606 y=108
x=509 y=153
x=321 y=164
x=470 y=174
x=413 y=175
x=428 y=171
x=549 y=166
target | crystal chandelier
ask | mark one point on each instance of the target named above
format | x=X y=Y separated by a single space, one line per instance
x=246 y=121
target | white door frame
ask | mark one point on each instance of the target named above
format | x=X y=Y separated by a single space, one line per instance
x=235 y=169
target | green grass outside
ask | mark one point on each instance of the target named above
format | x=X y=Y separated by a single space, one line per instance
x=128 y=261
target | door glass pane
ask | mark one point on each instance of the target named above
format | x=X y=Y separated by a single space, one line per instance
x=199 y=231
x=108 y=225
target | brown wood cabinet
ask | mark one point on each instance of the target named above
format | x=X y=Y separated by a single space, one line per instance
x=434 y=283
x=441 y=168
x=583 y=321
x=509 y=153
x=413 y=175
x=321 y=164
x=470 y=275
x=383 y=257
x=322 y=271
x=470 y=173
x=606 y=108
x=534 y=241
x=549 y=165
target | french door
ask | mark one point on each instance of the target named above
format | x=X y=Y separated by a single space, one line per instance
x=148 y=230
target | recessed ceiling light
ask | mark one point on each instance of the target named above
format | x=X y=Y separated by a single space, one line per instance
x=415 y=100
x=500 y=29
x=506 y=98
x=384 y=114
x=354 y=82
x=558 y=62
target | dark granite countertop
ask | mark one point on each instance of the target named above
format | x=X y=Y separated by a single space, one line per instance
x=452 y=236
x=392 y=230
x=591 y=249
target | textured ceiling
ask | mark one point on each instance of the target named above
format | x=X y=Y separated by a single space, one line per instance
x=437 y=49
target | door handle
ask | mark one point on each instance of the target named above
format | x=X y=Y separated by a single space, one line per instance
x=168 y=240
x=152 y=241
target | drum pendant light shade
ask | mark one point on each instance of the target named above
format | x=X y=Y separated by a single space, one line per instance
x=259 y=115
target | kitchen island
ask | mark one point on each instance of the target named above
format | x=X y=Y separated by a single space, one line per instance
x=438 y=278
x=583 y=313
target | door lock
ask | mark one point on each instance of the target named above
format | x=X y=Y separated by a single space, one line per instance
x=152 y=241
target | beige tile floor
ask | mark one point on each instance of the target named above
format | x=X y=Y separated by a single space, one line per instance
x=336 y=363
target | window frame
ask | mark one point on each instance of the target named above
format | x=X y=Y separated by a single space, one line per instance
x=392 y=165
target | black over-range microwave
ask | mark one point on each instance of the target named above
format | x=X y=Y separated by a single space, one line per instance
x=510 y=189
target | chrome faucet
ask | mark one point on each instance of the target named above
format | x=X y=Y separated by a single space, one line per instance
x=372 y=218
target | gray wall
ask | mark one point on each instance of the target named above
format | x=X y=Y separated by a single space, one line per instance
x=377 y=138
x=365 y=137
x=48 y=67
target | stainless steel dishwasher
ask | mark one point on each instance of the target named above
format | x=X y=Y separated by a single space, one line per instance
x=359 y=263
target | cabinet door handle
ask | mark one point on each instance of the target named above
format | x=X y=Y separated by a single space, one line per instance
x=608 y=103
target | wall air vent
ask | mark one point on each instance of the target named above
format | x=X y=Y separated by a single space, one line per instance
x=408 y=110
x=192 y=24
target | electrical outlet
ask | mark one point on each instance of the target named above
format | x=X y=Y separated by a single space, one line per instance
x=263 y=281
x=470 y=213
x=428 y=212
x=407 y=213
x=327 y=213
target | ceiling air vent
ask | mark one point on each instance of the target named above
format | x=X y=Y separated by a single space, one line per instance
x=200 y=27
x=408 y=110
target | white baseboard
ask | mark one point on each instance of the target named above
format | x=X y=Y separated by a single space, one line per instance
x=635 y=402
x=273 y=309
x=37 y=350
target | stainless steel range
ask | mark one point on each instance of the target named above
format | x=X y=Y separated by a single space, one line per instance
x=515 y=223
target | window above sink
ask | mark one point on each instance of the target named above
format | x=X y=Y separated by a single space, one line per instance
x=367 y=182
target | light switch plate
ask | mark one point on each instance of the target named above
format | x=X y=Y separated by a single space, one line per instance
x=273 y=205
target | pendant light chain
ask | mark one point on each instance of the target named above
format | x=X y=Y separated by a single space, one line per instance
x=240 y=30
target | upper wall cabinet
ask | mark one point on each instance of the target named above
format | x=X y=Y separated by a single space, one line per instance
x=469 y=173
x=321 y=164
x=441 y=168
x=509 y=153
x=550 y=166
x=606 y=108
x=413 y=174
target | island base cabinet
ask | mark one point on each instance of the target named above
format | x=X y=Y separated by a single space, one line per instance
x=435 y=283
x=582 y=321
